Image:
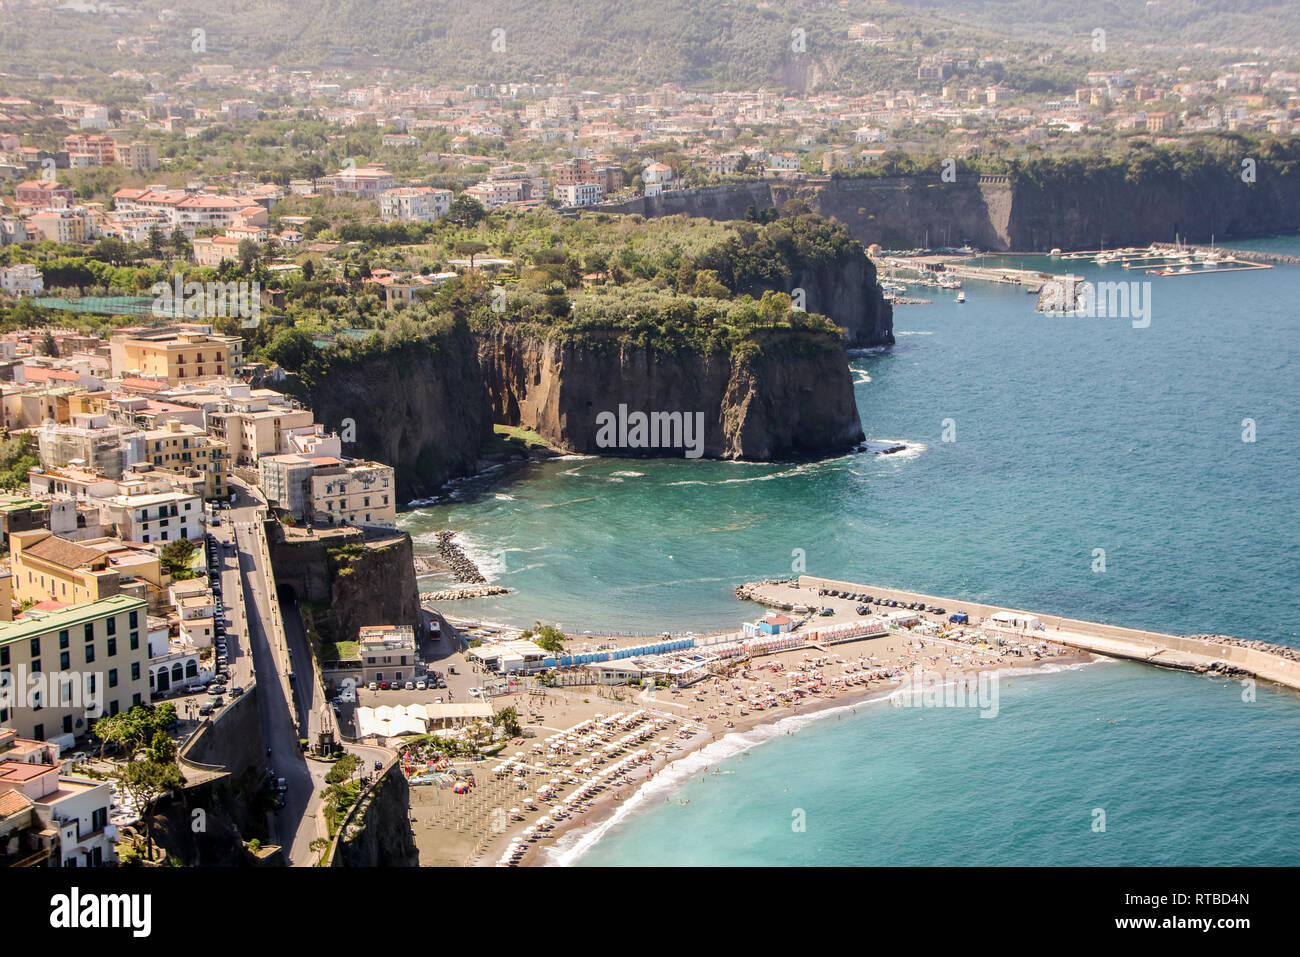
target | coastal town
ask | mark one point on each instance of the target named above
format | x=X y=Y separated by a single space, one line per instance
x=258 y=313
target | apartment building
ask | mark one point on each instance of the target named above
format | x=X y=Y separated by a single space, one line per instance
x=44 y=193
x=169 y=354
x=23 y=279
x=254 y=425
x=90 y=441
x=213 y=250
x=414 y=204
x=62 y=670
x=139 y=156
x=331 y=490
x=180 y=446
x=580 y=194
x=102 y=149
x=46 y=818
x=154 y=516
x=73 y=225
x=366 y=182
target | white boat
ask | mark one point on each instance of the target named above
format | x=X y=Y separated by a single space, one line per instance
x=961 y=296
x=1056 y=251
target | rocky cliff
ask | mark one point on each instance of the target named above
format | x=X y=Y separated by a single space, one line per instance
x=1065 y=206
x=347 y=580
x=378 y=833
x=793 y=395
x=420 y=407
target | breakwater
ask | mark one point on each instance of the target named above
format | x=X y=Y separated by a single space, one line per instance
x=468 y=591
x=1218 y=654
x=462 y=566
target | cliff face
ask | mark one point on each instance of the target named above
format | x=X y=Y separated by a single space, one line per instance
x=353 y=582
x=1069 y=210
x=421 y=408
x=849 y=295
x=379 y=833
x=794 y=398
x=1108 y=210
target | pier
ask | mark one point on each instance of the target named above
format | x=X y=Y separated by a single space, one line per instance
x=1203 y=654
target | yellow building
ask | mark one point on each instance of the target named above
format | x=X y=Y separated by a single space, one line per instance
x=169 y=354
x=177 y=446
x=45 y=567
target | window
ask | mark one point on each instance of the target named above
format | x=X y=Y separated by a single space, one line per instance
x=135 y=699
x=4 y=657
x=90 y=652
x=135 y=671
x=112 y=707
x=112 y=647
x=135 y=638
x=112 y=677
x=134 y=619
x=65 y=660
x=89 y=631
x=34 y=647
x=63 y=638
x=111 y=625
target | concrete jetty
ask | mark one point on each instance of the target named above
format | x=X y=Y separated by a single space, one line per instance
x=1214 y=654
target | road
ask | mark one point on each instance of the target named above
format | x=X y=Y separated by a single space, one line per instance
x=295 y=826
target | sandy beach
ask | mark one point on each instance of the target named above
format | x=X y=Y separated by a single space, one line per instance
x=584 y=750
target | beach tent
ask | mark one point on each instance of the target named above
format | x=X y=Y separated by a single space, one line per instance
x=1014 y=620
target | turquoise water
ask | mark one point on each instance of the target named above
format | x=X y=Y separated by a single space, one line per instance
x=1071 y=435
x=1183 y=770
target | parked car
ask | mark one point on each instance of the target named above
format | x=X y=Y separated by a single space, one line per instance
x=384 y=686
x=205 y=710
x=236 y=692
x=410 y=686
x=373 y=686
x=195 y=688
x=421 y=685
x=216 y=701
x=441 y=683
x=475 y=692
x=215 y=689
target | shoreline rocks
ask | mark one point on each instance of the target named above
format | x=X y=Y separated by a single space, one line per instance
x=466 y=591
x=461 y=566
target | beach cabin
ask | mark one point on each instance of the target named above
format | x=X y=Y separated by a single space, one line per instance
x=901 y=619
x=1013 y=621
x=771 y=625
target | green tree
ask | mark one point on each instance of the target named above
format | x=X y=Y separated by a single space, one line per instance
x=176 y=557
x=508 y=720
x=144 y=782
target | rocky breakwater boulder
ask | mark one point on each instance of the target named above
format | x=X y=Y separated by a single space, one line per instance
x=461 y=565
x=787 y=395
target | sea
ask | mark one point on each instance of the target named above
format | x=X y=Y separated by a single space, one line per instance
x=1137 y=469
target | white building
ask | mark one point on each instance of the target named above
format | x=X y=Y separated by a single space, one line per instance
x=414 y=204
x=580 y=194
x=21 y=280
